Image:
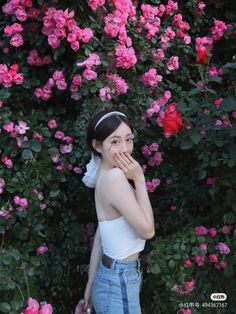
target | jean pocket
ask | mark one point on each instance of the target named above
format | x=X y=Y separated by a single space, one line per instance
x=132 y=276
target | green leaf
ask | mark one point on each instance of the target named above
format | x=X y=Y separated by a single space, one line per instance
x=195 y=136
x=216 y=79
x=194 y=91
x=182 y=106
x=36 y=147
x=53 y=150
x=155 y=269
x=228 y=104
x=202 y=174
x=5 y=307
x=171 y=264
x=54 y=194
x=186 y=144
x=26 y=154
x=16 y=305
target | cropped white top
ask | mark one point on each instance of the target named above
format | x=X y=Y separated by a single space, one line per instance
x=119 y=239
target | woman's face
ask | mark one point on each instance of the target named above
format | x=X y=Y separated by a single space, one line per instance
x=120 y=141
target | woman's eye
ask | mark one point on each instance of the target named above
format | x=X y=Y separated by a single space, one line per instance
x=131 y=139
x=115 y=142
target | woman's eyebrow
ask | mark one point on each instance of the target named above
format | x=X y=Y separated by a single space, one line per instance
x=120 y=136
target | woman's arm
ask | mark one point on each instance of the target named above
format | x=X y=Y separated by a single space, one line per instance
x=93 y=266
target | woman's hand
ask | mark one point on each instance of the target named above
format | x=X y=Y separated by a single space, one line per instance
x=87 y=298
x=130 y=167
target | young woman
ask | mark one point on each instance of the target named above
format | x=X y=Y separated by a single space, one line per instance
x=125 y=217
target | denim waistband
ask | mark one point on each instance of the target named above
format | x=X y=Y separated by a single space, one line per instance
x=124 y=264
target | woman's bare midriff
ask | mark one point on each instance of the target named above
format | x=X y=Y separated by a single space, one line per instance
x=132 y=257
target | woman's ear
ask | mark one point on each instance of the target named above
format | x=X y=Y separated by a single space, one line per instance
x=96 y=145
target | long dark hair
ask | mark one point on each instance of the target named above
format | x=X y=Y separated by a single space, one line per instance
x=105 y=128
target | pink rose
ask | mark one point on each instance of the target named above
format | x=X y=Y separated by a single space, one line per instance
x=59 y=135
x=213 y=258
x=21 y=15
x=46 y=309
x=203 y=246
x=233 y=114
x=52 y=124
x=188 y=262
x=89 y=74
x=42 y=249
x=201 y=230
x=17 y=40
x=18 y=78
x=77 y=80
x=199 y=260
x=212 y=232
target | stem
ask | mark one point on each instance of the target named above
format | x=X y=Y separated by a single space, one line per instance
x=3 y=239
x=25 y=275
x=12 y=277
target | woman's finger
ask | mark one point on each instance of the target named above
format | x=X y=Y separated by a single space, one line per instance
x=125 y=156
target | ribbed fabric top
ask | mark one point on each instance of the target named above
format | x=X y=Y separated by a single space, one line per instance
x=119 y=239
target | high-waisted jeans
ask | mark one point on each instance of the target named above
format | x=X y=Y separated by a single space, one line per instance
x=116 y=290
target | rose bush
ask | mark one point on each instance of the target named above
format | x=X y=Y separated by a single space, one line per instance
x=170 y=67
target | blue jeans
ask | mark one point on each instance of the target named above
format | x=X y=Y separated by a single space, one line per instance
x=116 y=290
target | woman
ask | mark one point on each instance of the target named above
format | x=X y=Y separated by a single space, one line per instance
x=125 y=217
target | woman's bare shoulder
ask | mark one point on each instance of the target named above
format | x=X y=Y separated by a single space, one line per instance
x=114 y=174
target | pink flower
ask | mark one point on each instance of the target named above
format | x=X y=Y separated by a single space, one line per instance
x=5 y=214
x=226 y=229
x=203 y=246
x=21 y=128
x=46 y=309
x=218 y=29
x=173 y=63
x=9 y=127
x=33 y=307
x=85 y=35
x=77 y=80
x=66 y=149
x=52 y=124
x=218 y=101
x=55 y=158
x=186 y=311
x=218 y=122
x=42 y=249
x=59 y=135
x=105 y=93
x=223 y=264
x=18 y=78
x=223 y=248
x=151 y=78
x=17 y=40
x=199 y=260
x=213 y=258
x=173 y=208
x=190 y=285
x=188 y=262
x=20 y=14
x=212 y=232
x=125 y=57
x=77 y=170
x=90 y=74
x=201 y=230
x=233 y=114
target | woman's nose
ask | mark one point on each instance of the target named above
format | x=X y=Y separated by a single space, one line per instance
x=124 y=148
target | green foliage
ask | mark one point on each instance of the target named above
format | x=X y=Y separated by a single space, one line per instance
x=198 y=172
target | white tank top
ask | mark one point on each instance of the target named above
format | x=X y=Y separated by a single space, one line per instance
x=119 y=239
